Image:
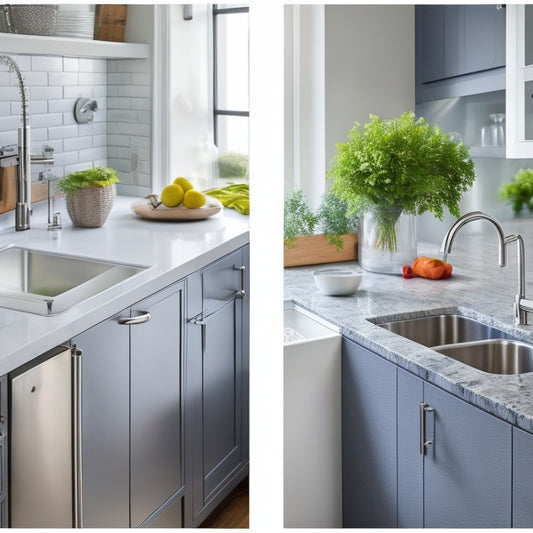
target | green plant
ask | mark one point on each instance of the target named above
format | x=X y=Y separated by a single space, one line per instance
x=92 y=177
x=298 y=218
x=232 y=165
x=331 y=219
x=400 y=165
x=519 y=191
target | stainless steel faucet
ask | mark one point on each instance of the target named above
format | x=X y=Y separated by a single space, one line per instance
x=23 y=206
x=521 y=305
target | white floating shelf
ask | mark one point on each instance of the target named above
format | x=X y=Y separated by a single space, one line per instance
x=65 y=46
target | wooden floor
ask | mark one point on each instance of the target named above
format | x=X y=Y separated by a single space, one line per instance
x=233 y=512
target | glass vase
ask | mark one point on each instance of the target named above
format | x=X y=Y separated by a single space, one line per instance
x=387 y=241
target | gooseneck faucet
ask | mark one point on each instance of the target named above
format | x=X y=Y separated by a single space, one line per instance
x=23 y=205
x=521 y=305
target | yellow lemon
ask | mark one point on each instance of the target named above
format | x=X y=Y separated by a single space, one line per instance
x=172 y=195
x=193 y=199
x=184 y=183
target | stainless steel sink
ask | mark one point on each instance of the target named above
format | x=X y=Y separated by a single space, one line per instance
x=47 y=283
x=497 y=356
x=443 y=329
x=468 y=341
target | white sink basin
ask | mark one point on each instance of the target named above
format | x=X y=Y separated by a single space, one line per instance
x=47 y=283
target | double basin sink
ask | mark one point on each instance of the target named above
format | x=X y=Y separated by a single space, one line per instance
x=468 y=341
x=46 y=283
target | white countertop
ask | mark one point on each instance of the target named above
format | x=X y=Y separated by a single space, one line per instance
x=172 y=250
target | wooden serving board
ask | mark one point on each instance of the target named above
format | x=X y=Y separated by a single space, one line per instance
x=315 y=249
x=145 y=209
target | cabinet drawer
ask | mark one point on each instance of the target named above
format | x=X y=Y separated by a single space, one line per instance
x=222 y=281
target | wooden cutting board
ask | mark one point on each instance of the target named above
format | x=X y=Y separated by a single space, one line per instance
x=110 y=22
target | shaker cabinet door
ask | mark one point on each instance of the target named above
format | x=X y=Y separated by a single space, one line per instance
x=467 y=469
x=156 y=405
x=369 y=441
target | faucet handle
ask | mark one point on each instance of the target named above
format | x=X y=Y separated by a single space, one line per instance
x=56 y=223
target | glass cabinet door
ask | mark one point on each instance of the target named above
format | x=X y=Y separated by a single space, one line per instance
x=519 y=81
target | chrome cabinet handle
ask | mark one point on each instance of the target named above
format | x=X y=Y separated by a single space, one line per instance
x=140 y=318
x=424 y=443
x=241 y=293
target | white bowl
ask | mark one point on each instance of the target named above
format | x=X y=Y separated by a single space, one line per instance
x=336 y=282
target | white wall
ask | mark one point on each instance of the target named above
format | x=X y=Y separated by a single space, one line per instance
x=190 y=84
x=342 y=63
x=370 y=66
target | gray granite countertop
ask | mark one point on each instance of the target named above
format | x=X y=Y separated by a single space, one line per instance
x=479 y=289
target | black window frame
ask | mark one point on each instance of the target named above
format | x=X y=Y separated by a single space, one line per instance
x=218 y=112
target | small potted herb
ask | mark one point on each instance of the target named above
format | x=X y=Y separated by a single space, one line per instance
x=519 y=191
x=89 y=195
x=233 y=166
x=324 y=236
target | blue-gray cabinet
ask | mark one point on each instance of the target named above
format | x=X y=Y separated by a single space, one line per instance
x=369 y=439
x=460 y=50
x=522 y=478
x=4 y=515
x=132 y=403
x=462 y=477
x=416 y=456
x=217 y=382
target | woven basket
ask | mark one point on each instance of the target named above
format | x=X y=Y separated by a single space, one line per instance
x=89 y=207
x=32 y=19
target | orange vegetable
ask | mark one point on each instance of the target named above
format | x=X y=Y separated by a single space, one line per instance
x=428 y=267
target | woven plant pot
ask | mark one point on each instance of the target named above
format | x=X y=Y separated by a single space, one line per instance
x=31 y=19
x=89 y=207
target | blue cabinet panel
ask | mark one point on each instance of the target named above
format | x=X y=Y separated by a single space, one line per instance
x=369 y=442
x=410 y=461
x=522 y=479
x=467 y=469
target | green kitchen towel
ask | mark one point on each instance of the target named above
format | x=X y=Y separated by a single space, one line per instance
x=234 y=196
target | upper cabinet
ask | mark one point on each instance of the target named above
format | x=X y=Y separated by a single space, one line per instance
x=519 y=84
x=460 y=50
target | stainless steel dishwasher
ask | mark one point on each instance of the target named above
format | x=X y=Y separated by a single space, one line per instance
x=45 y=444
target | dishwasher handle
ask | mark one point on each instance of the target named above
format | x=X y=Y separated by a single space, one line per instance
x=76 y=354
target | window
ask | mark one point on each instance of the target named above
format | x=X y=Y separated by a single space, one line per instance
x=231 y=89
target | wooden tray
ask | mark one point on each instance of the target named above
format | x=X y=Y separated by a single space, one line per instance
x=145 y=209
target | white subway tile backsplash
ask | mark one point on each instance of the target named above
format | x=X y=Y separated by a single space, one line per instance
x=121 y=126
x=71 y=64
x=63 y=78
x=78 y=143
x=134 y=91
x=43 y=121
x=118 y=140
x=93 y=78
x=62 y=105
x=45 y=93
x=123 y=78
x=133 y=65
x=36 y=78
x=141 y=79
x=46 y=64
x=10 y=94
x=10 y=123
x=63 y=132
x=94 y=154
